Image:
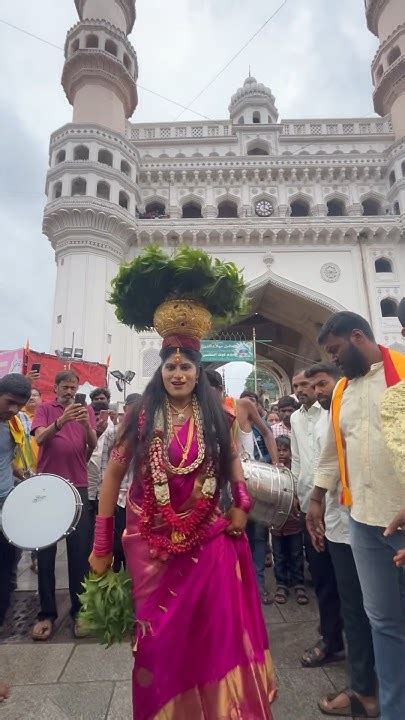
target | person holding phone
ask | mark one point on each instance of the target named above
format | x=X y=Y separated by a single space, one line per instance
x=65 y=431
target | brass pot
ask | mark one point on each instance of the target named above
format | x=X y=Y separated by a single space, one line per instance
x=182 y=317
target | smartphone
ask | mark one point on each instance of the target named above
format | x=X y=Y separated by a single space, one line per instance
x=36 y=367
x=80 y=399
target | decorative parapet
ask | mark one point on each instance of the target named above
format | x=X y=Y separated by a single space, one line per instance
x=99 y=64
x=127 y=7
x=373 y=12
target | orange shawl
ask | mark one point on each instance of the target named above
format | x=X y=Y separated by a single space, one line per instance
x=394 y=369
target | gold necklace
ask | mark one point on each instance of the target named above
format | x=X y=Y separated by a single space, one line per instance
x=185 y=448
x=179 y=413
x=200 y=441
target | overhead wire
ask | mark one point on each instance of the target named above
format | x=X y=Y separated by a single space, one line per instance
x=231 y=60
x=59 y=47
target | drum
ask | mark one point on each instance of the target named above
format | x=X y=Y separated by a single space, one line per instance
x=272 y=491
x=40 y=511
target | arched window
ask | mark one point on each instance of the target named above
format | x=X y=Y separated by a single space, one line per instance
x=380 y=72
x=336 y=208
x=258 y=150
x=393 y=55
x=81 y=152
x=111 y=47
x=105 y=157
x=79 y=186
x=389 y=308
x=383 y=265
x=227 y=209
x=191 y=210
x=60 y=157
x=371 y=207
x=57 y=190
x=397 y=209
x=127 y=62
x=392 y=178
x=299 y=208
x=123 y=200
x=256 y=117
x=103 y=190
x=241 y=120
x=91 y=41
x=125 y=168
x=403 y=168
x=155 y=210
x=75 y=46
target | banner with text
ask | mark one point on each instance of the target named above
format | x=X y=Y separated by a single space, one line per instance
x=224 y=351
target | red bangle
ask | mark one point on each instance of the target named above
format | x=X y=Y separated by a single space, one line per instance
x=103 y=536
x=241 y=496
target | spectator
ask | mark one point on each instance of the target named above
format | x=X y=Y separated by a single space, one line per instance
x=286 y=406
x=273 y=418
x=65 y=433
x=102 y=394
x=288 y=544
x=15 y=390
x=110 y=439
x=101 y=409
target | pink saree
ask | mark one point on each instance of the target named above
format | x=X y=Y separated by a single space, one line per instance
x=201 y=651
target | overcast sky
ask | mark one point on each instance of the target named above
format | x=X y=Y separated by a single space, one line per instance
x=315 y=56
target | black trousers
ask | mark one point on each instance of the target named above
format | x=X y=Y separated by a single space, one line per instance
x=8 y=554
x=360 y=651
x=288 y=554
x=323 y=576
x=78 y=545
x=119 y=527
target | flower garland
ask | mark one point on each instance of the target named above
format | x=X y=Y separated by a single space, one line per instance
x=188 y=529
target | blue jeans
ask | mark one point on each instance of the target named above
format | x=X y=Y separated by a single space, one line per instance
x=258 y=536
x=383 y=587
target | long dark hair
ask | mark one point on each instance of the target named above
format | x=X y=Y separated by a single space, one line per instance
x=214 y=419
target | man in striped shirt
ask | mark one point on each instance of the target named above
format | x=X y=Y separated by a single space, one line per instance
x=286 y=406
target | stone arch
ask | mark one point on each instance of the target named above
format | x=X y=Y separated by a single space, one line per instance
x=81 y=152
x=383 y=264
x=232 y=200
x=336 y=203
x=79 y=186
x=60 y=157
x=103 y=190
x=258 y=146
x=389 y=307
x=372 y=203
x=192 y=200
x=92 y=41
x=393 y=55
x=265 y=196
x=300 y=199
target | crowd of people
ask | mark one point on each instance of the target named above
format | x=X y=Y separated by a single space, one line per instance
x=347 y=521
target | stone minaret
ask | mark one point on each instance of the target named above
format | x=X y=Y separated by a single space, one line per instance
x=386 y=19
x=92 y=182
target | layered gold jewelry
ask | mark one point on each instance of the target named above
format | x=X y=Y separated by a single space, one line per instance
x=200 y=440
x=179 y=413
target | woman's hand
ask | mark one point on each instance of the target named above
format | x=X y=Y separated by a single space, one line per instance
x=100 y=565
x=238 y=520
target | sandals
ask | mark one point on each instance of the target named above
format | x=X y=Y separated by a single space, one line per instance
x=42 y=630
x=281 y=595
x=354 y=708
x=4 y=691
x=318 y=655
x=266 y=598
x=301 y=595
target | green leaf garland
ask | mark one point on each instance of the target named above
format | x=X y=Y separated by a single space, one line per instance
x=107 y=607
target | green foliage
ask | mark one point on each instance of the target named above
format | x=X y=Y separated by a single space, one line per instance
x=263 y=380
x=107 y=608
x=190 y=273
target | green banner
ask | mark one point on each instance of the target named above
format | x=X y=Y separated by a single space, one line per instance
x=227 y=351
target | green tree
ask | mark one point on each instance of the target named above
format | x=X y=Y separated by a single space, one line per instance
x=263 y=381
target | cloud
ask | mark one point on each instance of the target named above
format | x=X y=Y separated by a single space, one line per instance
x=314 y=55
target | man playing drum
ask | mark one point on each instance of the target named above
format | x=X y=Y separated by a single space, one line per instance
x=66 y=436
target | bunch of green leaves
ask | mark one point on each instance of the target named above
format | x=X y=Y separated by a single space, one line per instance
x=190 y=273
x=106 y=607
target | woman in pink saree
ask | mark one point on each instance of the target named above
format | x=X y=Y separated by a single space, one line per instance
x=201 y=649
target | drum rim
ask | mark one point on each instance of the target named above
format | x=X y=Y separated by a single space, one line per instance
x=73 y=525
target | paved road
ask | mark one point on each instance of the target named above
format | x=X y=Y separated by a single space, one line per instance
x=79 y=680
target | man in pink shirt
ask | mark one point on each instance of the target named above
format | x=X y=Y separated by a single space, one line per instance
x=66 y=436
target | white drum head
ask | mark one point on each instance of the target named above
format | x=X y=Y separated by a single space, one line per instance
x=39 y=511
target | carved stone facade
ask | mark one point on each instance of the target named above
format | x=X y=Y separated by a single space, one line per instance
x=312 y=209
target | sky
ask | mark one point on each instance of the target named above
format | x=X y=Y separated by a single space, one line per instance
x=315 y=55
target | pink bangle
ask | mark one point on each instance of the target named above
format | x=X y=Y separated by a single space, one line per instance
x=241 y=496
x=103 y=536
